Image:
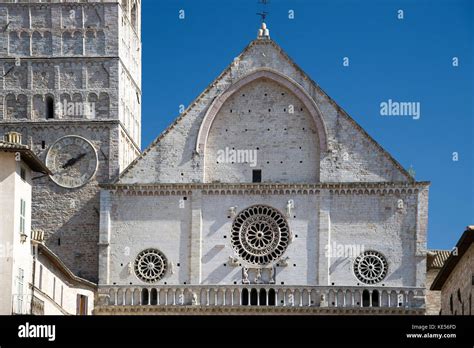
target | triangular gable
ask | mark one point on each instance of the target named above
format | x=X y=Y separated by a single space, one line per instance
x=157 y=165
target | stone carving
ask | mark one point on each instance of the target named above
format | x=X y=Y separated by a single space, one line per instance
x=290 y=205
x=171 y=267
x=233 y=212
x=245 y=276
x=284 y=261
x=233 y=261
x=194 y=299
x=258 y=277
x=272 y=276
x=130 y=268
x=322 y=301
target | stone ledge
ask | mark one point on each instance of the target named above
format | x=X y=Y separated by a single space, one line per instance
x=374 y=188
x=254 y=310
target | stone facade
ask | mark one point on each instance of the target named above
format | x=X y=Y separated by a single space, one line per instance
x=335 y=191
x=72 y=68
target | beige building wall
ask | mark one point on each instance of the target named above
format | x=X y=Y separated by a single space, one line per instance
x=33 y=279
x=15 y=250
x=56 y=289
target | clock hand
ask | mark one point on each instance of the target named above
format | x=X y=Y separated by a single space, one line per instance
x=73 y=161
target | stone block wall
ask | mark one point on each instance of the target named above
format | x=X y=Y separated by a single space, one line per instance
x=458 y=290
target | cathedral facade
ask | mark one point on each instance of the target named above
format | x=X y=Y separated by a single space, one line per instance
x=263 y=195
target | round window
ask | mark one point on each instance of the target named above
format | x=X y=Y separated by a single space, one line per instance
x=370 y=267
x=151 y=265
x=260 y=234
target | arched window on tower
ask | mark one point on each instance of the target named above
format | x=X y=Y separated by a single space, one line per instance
x=49 y=107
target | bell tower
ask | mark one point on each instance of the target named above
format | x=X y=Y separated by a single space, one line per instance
x=70 y=83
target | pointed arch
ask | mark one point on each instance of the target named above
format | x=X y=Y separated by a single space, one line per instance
x=263 y=73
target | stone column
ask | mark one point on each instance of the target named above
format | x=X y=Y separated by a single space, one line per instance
x=195 y=247
x=104 y=238
x=324 y=239
x=420 y=237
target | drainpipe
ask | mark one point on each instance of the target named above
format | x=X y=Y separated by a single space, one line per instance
x=35 y=251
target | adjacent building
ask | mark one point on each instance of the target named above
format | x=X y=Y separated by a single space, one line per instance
x=34 y=280
x=456 y=279
x=435 y=260
x=18 y=165
x=55 y=290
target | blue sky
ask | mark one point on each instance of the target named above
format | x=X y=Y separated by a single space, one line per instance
x=402 y=60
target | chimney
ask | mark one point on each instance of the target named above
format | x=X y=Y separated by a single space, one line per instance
x=13 y=137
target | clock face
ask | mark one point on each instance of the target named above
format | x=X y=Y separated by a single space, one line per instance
x=72 y=160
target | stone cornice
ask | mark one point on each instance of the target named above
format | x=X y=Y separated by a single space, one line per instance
x=57 y=122
x=353 y=188
x=255 y=310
